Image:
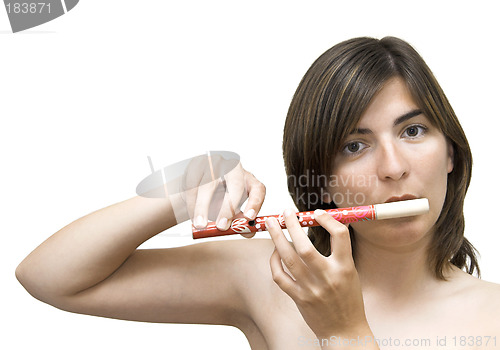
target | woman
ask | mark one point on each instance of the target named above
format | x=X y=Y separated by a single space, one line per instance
x=368 y=117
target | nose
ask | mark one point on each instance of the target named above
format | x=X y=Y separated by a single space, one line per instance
x=392 y=163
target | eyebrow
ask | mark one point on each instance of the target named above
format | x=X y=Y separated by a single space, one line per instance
x=399 y=120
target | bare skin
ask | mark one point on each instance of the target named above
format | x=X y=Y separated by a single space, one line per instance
x=92 y=266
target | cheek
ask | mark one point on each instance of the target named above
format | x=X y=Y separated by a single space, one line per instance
x=451 y=158
x=350 y=185
x=433 y=162
x=433 y=174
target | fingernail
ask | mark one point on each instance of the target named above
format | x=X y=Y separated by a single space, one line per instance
x=250 y=214
x=287 y=212
x=221 y=225
x=319 y=212
x=199 y=222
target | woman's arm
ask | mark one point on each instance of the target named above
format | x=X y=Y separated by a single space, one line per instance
x=90 y=249
x=92 y=266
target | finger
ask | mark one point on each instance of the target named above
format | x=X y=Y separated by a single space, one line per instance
x=204 y=198
x=280 y=277
x=246 y=235
x=256 y=194
x=302 y=244
x=234 y=196
x=227 y=212
x=285 y=250
x=189 y=198
x=340 y=239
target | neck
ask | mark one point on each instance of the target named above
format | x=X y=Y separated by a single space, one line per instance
x=394 y=272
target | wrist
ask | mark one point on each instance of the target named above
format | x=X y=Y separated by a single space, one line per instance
x=179 y=208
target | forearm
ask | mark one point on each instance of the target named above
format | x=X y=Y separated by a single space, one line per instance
x=91 y=248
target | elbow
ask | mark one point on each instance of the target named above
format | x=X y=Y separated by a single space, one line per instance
x=21 y=274
x=27 y=278
x=24 y=277
x=40 y=288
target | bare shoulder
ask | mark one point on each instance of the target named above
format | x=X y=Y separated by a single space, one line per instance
x=253 y=251
x=488 y=305
x=489 y=288
x=255 y=246
x=253 y=257
x=480 y=288
x=481 y=300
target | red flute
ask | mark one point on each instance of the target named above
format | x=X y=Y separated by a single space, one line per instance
x=306 y=219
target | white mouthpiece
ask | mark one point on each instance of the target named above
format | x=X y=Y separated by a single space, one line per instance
x=401 y=209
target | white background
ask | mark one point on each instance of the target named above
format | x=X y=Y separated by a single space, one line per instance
x=84 y=100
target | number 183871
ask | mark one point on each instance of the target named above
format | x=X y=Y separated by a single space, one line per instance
x=28 y=7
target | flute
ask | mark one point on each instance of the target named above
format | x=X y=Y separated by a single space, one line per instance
x=382 y=211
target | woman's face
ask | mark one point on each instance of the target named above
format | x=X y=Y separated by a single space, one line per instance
x=394 y=154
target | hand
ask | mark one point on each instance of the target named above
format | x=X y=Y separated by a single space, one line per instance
x=215 y=189
x=327 y=290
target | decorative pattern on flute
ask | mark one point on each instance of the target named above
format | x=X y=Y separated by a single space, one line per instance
x=306 y=219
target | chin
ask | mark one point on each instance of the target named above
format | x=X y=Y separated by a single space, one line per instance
x=394 y=232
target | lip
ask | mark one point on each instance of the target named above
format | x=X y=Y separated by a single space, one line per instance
x=404 y=197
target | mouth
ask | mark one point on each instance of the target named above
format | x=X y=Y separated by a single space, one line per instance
x=404 y=197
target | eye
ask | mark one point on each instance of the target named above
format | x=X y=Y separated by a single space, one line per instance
x=353 y=148
x=414 y=131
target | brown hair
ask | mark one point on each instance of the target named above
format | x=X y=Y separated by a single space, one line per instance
x=327 y=106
